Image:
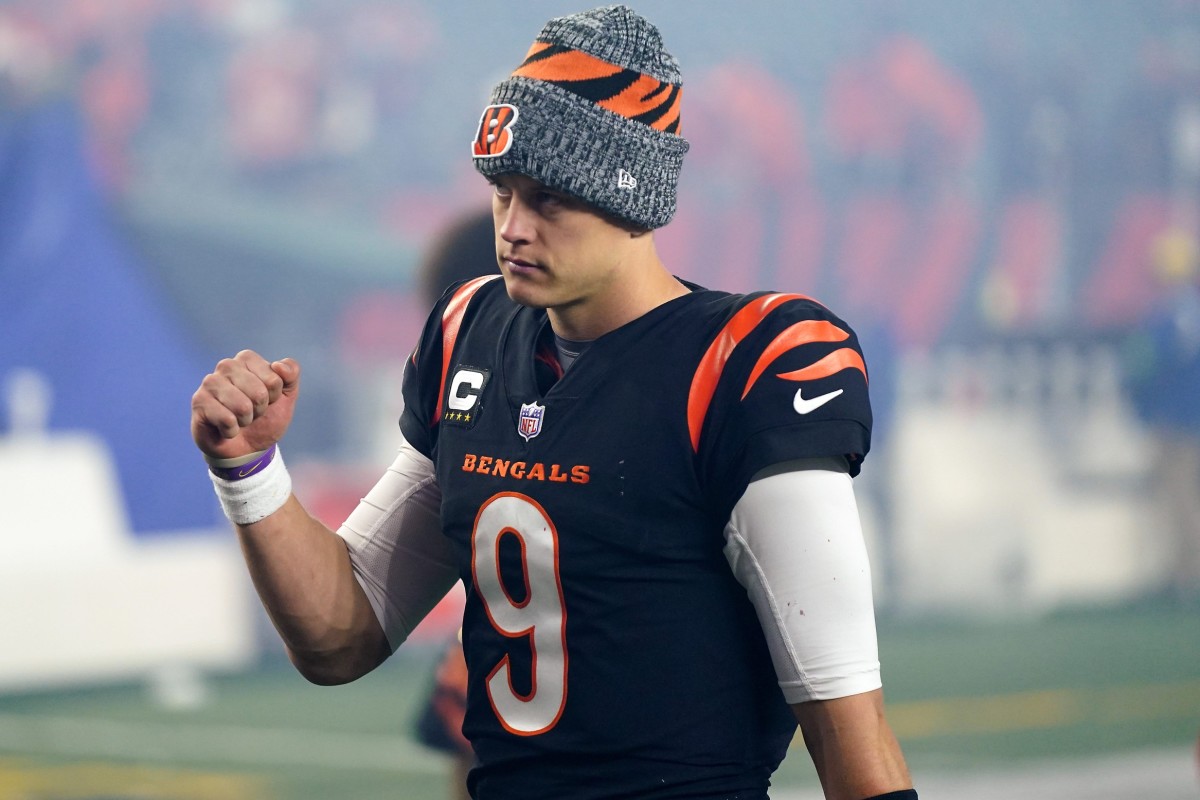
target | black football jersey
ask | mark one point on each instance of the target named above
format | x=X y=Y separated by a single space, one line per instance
x=610 y=651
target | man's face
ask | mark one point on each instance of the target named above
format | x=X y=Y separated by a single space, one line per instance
x=554 y=250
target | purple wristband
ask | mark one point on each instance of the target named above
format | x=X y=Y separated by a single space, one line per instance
x=245 y=470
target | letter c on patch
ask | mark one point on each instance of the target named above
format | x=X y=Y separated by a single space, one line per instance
x=464 y=390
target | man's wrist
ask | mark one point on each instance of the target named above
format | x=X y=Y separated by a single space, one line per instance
x=241 y=467
x=903 y=794
x=236 y=461
x=253 y=496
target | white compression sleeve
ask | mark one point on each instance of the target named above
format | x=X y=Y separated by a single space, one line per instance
x=795 y=542
x=397 y=550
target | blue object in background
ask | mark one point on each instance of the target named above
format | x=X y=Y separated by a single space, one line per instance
x=77 y=306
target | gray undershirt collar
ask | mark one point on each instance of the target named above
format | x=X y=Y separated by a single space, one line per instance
x=569 y=350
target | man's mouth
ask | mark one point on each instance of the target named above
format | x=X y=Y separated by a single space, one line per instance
x=520 y=264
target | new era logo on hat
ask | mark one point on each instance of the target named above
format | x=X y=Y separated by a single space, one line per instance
x=626 y=181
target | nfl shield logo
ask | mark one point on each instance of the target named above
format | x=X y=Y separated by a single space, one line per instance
x=530 y=423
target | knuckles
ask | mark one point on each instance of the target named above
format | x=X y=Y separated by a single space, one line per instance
x=227 y=366
x=242 y=408
x=235 y=393
x=259 y=398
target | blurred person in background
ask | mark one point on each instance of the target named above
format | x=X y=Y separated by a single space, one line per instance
x=1163 y=374
x=465 y=249
x=644 y=485
x=439 y=725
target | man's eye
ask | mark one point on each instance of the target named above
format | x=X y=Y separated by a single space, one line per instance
x=502 y=191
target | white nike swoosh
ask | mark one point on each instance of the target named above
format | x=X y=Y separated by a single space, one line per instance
x=804 y=406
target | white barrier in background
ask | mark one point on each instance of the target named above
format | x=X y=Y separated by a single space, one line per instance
x=80 y=599
x=1020 y=483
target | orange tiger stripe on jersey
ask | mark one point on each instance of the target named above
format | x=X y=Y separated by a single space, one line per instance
x=810 y=330
x=835 y=362
x=452 y=319
x=708 y=373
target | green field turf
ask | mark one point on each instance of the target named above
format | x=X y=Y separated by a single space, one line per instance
x=960 y=697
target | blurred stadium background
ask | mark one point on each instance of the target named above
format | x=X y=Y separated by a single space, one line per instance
x=1004 y=198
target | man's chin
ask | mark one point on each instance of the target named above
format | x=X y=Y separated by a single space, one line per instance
x=520 y=291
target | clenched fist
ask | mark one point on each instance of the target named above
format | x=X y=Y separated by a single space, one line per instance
x=244 y=405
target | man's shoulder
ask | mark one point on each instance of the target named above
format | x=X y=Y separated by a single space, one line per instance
x=754 y=320
x=721 y=304
x=470 y=305
x=479 y=292
x=784 y=374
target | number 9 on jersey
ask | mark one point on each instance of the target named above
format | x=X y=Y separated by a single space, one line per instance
x=540 y=615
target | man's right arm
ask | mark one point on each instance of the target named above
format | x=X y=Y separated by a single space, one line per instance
x=302 y=570
x=342 y=603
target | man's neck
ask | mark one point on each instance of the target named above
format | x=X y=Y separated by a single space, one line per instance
x=642 y=284
x=638 y=295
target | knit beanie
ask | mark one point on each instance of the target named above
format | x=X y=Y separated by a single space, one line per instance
x=592 y=111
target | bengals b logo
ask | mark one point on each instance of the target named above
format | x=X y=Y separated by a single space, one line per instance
x=495 y=135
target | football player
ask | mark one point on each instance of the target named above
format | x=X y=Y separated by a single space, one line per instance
x=644 y=485
x=465 y=249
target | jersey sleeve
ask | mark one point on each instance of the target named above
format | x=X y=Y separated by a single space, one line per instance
x=784 y=379
x=426 y=370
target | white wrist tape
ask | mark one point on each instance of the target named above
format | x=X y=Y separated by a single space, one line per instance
x=252 y=499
